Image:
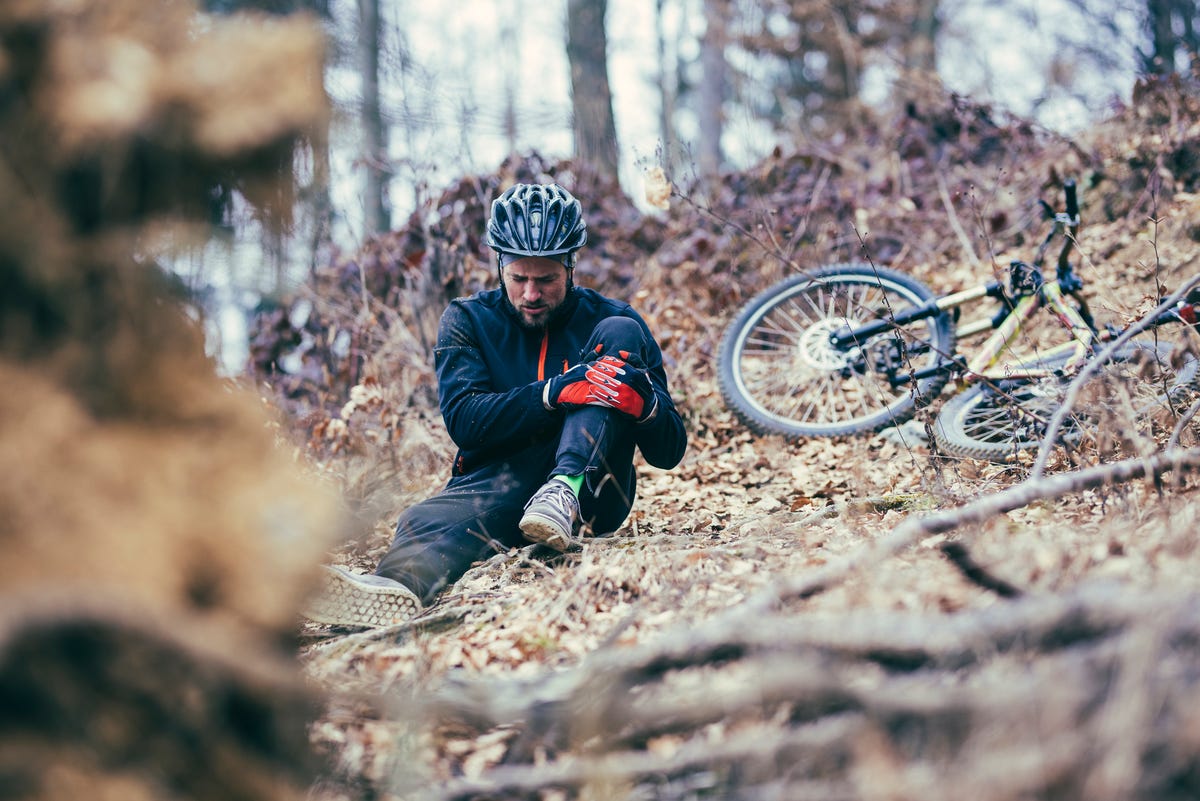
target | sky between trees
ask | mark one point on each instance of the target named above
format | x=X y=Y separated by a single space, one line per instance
x=449 y=79
x=462 y=87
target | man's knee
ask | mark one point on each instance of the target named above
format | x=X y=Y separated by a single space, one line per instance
x=618 y=333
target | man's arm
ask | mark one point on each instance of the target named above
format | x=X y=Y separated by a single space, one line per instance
x=662 y=439
x=476 y=415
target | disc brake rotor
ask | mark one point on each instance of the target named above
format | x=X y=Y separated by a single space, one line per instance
x=816 y=348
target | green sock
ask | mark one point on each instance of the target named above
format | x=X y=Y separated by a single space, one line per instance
x=574 y=482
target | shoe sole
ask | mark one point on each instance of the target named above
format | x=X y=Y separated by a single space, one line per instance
x=546 y=532
x=344 y=602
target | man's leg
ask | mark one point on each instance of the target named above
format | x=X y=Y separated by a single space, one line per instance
x=438 y=539
x=594 y=460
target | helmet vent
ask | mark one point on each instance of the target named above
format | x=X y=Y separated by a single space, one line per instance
x=536 y=220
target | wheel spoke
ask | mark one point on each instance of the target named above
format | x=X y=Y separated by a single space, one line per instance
x=786 y=375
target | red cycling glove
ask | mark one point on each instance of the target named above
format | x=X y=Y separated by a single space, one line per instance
x=622 y=384
x=569 y=390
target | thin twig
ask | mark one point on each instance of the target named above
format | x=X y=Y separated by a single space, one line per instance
x=1182 y=423
x=1091 y=368
x=964 y=240
x=976 y=573
x=913 y=529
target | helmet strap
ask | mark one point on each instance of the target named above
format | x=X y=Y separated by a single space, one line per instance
x=566 y=259
x=567 y=294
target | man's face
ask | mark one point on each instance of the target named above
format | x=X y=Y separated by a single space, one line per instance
x=535 y=286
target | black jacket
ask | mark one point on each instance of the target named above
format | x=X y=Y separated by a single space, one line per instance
x=491 y=372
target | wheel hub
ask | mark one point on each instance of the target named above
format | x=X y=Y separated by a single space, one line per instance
x=816 y=348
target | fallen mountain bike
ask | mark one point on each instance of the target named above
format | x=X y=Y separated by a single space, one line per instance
x=854 y=348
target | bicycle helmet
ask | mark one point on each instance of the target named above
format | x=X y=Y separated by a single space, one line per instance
x=536 y=220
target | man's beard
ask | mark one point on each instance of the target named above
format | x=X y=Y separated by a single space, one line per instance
x=541 y=324
x=533 y=325
x=544 y=323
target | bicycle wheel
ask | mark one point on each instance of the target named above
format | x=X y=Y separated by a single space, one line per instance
x=780 y=372
x=1138 y=386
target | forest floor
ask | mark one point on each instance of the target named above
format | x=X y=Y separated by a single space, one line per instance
x=852 y=618
x=722 y=530
x=798 y=535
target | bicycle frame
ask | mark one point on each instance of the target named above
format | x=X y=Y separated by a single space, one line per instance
x=1030 y=294
x=985 y=363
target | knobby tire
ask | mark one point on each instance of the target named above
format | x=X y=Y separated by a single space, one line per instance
x=780 y=374
x=997 y=422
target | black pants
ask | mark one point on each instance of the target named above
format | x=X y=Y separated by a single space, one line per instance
x=476 y=514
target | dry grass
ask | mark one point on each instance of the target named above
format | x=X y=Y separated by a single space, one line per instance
x=500 y=690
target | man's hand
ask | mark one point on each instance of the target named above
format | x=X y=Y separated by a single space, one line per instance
x=569 y=390
x=620 y=382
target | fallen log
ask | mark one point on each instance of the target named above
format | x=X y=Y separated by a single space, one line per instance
x=1024 y=699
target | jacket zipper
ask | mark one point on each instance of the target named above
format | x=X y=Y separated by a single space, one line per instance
x=542 y=356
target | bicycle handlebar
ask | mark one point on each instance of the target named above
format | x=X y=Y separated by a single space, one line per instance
x=1070 y=226
x=1072 y=201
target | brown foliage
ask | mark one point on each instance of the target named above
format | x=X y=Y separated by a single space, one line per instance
x=667 y=661
x=157 y=542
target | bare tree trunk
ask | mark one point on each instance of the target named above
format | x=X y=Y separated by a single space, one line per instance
x=1171 y=26
x=666 y=87
x=591 y=96
x=1187 y=19
x=1162 y=38
x=921 y=49
x=377 y=218
x=712 y=87
x=845 y=54
x=509 y=60
x=275 y=253
x=321 y=204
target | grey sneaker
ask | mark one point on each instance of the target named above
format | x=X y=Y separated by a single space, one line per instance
x=350 y=599
x=552 y=516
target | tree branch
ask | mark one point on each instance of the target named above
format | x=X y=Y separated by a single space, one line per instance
x=1091 y=368
x=914 y=529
